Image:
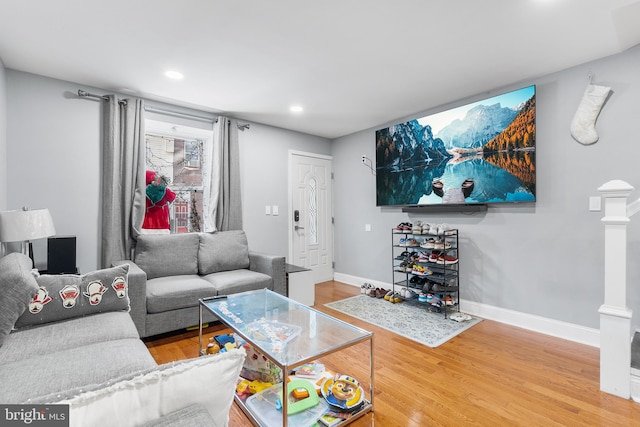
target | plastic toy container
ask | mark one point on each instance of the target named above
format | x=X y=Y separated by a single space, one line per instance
x=264 y=406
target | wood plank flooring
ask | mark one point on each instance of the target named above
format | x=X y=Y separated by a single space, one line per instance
x=490 y=375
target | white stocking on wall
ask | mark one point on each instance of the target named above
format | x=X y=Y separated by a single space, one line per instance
x=583 y=125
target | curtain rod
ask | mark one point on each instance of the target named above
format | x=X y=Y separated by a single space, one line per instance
x=85 y=94
x=151 y=109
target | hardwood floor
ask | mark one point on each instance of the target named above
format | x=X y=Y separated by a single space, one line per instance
x=490 y=375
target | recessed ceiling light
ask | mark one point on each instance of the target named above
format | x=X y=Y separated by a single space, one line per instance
x=174 y=75
x=296 y=109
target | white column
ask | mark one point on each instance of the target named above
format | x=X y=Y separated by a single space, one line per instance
x=615 y=316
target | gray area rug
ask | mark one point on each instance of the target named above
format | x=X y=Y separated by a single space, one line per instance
x=411 y=320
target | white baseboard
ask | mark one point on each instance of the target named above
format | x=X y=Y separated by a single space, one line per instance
x=543 y=325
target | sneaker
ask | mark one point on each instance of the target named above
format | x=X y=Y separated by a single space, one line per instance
x=424 y=257
x=405 y=266
x=366 y=288
x=418 y=269
x=443 y=229
x=403 y=255
x=445 y=259
x=448 y=300
x=433 y=230
x=433 y=257
x=412 y=242
x=428 y=244
x=387 y=296
x=395 y=298
x=460 y=317
x=422 y=297
x=417 y=227
x=406 y=293
x=441 y=244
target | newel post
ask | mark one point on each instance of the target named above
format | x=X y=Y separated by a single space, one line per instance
x=615 y=316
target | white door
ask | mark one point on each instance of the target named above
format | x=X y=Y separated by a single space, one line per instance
x=311 y=214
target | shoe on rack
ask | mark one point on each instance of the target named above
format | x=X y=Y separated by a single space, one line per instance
x=433 y=230
x=417 y=227
x=441 y=244
x=422 y=297
x=398 y=228
x=448 y=300
x=428 y=244
x=433 y=257
x=443 y=229
x=403 y=255
x=445 y=259
x=418 y=269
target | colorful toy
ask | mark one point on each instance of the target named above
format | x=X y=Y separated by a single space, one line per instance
x=243 y=387
x=256 y=386
x=343 y=392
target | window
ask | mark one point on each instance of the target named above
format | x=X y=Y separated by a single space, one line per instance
x=178 y=154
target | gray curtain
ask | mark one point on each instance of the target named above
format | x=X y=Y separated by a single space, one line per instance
x=123 y=177
x=228 y=210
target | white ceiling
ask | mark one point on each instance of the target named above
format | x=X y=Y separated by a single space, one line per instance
x=352 y=64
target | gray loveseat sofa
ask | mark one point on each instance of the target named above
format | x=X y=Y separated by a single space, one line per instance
x=69 y=339
x=170 y=273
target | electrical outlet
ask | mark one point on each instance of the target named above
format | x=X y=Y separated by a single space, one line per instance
x=364 y=158
x=267 y=210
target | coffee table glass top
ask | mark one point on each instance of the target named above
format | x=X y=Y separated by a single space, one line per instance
x=289 y=332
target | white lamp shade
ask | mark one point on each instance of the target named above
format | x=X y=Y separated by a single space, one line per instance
x=17 y=226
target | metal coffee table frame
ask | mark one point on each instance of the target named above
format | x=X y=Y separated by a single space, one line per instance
x=321 y=335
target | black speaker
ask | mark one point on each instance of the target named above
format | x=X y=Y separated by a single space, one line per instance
x=61 y=255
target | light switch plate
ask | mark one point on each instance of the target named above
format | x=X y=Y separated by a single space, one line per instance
x=267 y=210
x=274 y=209
x=595 y=203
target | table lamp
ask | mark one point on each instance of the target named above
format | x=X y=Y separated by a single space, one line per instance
x=26 y=225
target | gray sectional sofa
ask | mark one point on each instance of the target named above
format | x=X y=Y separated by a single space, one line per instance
x=169 y=273
x=69 y=339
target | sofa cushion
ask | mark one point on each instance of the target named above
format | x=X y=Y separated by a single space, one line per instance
x=207 y=381
x=192 y=416
x=231 y=282
x=53 y=373
x=174 y=292
x=69 y=295
x=41 y=339
x=167 y=254
x=223 y=251
x=17 y=288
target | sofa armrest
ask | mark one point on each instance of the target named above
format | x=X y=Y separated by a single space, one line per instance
x=137 y=295
x=272 y=265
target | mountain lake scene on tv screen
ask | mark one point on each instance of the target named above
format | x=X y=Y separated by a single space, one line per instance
x=482 y=152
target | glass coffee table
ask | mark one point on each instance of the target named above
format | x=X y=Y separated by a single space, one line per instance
x=289 y=334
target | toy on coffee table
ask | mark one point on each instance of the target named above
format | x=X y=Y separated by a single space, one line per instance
x=222 y=343
x=343 y=391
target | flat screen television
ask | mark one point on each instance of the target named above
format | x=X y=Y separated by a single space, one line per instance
x=479 y=153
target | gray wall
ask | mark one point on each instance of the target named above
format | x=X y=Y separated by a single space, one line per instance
x=3 y=137
x=264 y=151
x=544 y=259
x=54 y=162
